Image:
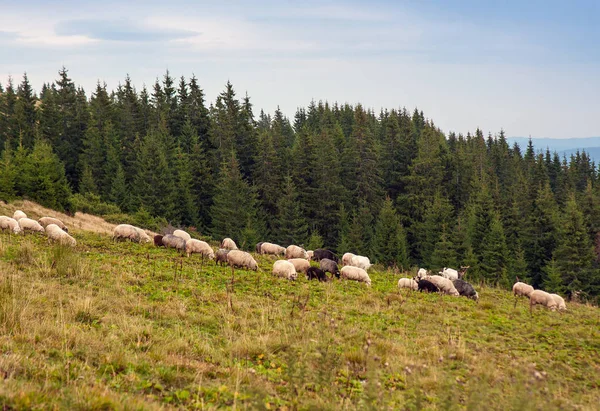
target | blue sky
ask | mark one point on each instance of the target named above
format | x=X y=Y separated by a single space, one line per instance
x=528 y=67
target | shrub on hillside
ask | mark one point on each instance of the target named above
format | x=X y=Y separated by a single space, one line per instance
x=93 y=204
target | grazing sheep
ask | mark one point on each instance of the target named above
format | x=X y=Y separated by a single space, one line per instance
x=408 y=283
x=199 y=247
x=241 y=259
x=158 y=240
x=321 y=253
x=55 y=233
x=422 y=273
x=314 y=273
x=182 y=234
x=522 y=289
x=18 y=215
x=221 y=256
x=27 y=224
x=560 y=302
x=356 y=274
x=309 y=255
x=293 y=251
x=443 y=284
x=172 y=241
x=329 y=266
x=144 y=238
x=426 y=285
x=285 y=269
x=126 y=232
x=228 y=244
x=360 y=262
x=346 y=258
x=542 y=298
x=272 y=249
x=7 y=223
x=300 y=264
x=45 y=221
x=465 y=289
x=258 y=246
x=452 y=274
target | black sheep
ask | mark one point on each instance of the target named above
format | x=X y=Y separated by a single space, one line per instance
x=466 y=289
x=321 y=253
x=258 y=247
x=329 y=266
x=158 y=241
x=428 y=286
x=314 y=273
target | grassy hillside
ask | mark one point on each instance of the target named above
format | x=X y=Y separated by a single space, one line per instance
x=128 y=326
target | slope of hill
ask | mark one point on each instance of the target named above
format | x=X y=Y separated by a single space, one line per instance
x=121 y=325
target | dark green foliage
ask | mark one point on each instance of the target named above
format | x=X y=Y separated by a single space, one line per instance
x=389 y=241
x=163 y=156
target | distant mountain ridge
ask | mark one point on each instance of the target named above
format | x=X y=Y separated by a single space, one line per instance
x=563 y=146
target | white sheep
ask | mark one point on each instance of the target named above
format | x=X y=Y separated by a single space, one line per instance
x=293 y=251
x=445 y=285
x=273 y=249
x=27 y=224
x=55 y=233
x=7 y=223
x=199 y=247
x=300 y=264
x=228 y=244
x=144 y=238
x=452 y=274
x=182 y=234
x=560 y=302
x=126 y=232
x=347 y=258
x=360 y=262
x=522 y=289
x=241 y=259
x=408 y=283
x=285 y=269
x=542 y=298
x=356 y=274
x=19 y=214
x=309 y=254
x=421 y=274
x=45 y=221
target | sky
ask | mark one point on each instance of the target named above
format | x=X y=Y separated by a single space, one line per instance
x=530 y=68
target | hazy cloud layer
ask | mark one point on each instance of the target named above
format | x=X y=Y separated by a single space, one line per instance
x=119 y=30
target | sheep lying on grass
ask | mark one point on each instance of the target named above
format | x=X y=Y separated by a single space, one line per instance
x=284 y=269
x=355 y=274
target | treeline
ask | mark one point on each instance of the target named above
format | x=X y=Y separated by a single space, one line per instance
x=389 y=185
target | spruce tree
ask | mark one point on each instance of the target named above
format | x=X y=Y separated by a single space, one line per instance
x=553 y=282
x=184 y=211
x=26 y=113
x=291 y=224
x=7 y=174
x=87 y=185
x=120 y=193
x=494 y=254
x=389 y=242
x=234 y=207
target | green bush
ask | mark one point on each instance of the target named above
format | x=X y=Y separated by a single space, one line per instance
x=93 y=204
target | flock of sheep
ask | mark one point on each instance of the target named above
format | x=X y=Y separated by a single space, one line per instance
x=54 y=229
x=297 y=260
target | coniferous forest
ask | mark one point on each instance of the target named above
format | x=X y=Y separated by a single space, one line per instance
x=388 y=184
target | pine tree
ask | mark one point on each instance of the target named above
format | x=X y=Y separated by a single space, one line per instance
x=553 y=282
x=389 y=242
x=444 y=253
x=7 y=174
x=26 y=113
x=183 y=203
x=87 y=183
x=120 y=193
x=494 y=254
x=315 y=241
x=202 y=185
